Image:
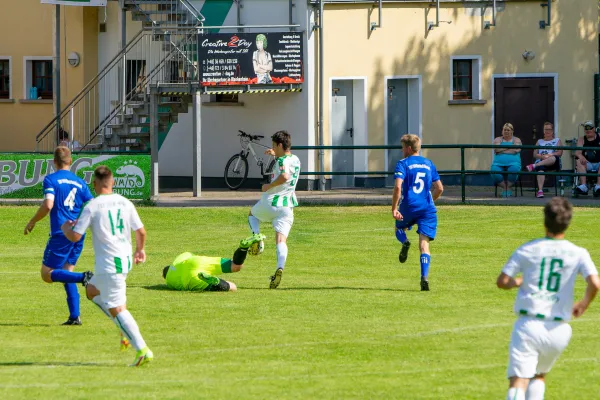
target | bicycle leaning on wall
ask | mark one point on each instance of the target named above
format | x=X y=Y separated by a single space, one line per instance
x=236 y=169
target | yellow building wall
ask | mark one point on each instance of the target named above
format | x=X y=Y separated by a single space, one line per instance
x=403 y=46
x=27 y=29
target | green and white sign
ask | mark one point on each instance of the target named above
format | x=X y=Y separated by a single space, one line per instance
x=22 y=175
x=97 y=3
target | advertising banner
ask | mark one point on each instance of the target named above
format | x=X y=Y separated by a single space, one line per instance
x=22 y=175
x=98 y=3
x=274 y=58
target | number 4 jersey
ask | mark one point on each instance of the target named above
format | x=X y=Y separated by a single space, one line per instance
x=112 y=218
x=284 y=195
x=69 y=192
x=417 y=174
x=549 y=269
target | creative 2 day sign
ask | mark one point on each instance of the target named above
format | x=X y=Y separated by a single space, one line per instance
x=22 y=175
x=251 y=59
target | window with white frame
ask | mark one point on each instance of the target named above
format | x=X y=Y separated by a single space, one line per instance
x=38 y=75
x=5 y=78
x=465 y=78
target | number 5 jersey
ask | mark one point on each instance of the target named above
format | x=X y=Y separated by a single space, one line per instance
x=284 y=195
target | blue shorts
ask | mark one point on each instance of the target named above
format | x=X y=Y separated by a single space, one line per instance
x=60 y=251
x=427 y=223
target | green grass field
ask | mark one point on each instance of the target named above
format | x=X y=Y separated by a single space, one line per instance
x=348 y=321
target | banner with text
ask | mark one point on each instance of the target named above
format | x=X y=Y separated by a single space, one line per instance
x=251 y=59
x=22 y=175
x=97 y=3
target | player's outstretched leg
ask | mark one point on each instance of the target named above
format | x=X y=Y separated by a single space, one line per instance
x=251 y=240
x=276 y=278
x=73 y=303
x=401 y=236
x=425 y=262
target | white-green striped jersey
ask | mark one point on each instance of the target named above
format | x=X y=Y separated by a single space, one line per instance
x=549 y=269
x=284 y=195
x=111 y=217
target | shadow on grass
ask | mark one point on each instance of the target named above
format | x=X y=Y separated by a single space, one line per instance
x=336 y=288
x=152 y=287
x=26 y=324
x=53 y=364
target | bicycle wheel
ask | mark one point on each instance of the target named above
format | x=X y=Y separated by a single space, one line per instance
x=269 y=171
x=236 y=172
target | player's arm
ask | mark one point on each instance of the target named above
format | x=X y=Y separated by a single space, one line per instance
x=284 y=177
x=74 y=230
x=140 y=243
x=438 y=189
x=593 y=284
x=42 y=211
x=508 y=282
x=396 y=198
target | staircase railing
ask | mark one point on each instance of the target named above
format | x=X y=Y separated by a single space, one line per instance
x=165 y=13
x=158 y=53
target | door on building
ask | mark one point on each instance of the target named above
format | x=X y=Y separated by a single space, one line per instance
x=526 y=103
x=342 y=116
x=397 y=121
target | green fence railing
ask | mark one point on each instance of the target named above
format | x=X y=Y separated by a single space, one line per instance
x=462 y=171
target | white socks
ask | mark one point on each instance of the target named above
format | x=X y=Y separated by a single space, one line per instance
x=102 y=305
x=515 y=394
x=254 y=224
x=130 y=329
x=282 y=252
x=536 y=389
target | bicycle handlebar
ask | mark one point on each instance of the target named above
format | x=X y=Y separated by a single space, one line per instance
x=255 y=137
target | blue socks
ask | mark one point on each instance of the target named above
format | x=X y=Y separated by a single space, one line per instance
x=425 y=260
x=401 y=235
x=72 y=300
x=60 y=275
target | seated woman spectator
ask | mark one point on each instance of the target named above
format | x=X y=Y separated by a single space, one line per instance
x=506 y=159
x=64 y=141
x=545 y=159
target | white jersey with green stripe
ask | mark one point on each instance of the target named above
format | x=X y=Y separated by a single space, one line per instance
x=549 y=269
x=284 y=195
x=111 y=217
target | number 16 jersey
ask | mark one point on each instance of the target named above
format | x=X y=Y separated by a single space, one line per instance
x=549 y=269
x=111 y=217
x=417 y=174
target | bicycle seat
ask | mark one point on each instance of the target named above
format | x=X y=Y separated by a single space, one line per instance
x=243 y=133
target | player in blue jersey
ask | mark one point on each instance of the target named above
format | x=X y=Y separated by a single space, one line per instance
x=64 y=195
x=415 y=176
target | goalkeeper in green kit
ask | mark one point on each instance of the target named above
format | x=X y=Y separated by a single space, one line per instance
x=197 y=273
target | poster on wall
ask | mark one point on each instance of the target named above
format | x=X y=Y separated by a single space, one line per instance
x=274 y=58
x=22 y=175
x=97 y=3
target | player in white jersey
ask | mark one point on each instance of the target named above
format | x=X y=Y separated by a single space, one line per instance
x=545 y=301
x=278 y=200
x=112 y=218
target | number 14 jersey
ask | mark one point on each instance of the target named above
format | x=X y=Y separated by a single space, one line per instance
x=417 y=174
x=549 y=269
x=111 y=217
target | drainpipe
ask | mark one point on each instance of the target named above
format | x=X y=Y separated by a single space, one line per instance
x=488 y=24
x=373 y=24
x=321 y=152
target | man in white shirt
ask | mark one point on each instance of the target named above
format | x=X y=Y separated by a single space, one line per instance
x=544 y=305
x=111 y=218
x=278 y=200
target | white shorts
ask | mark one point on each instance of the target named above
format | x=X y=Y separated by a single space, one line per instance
x=535 y=345
x=282 y=218
x=112 y=288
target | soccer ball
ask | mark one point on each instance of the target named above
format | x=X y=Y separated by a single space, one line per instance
x=257 y=248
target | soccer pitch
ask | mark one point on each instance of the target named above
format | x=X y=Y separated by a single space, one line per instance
x=348 y=321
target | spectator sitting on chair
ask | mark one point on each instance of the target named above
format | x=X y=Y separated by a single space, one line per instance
x=64 y=141
x=506 y=159
x=545 y=159
x=588 y=160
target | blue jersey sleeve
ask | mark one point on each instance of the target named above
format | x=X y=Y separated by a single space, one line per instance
x=49 y=188
x=400 y=171
x=87 y=194
x=434 y=174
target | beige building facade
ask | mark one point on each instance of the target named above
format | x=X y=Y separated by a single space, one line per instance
x=26 y=61
x=456 y=82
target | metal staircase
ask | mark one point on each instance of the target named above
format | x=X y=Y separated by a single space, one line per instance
x=112 y=112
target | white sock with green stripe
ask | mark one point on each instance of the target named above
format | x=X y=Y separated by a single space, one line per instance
x=102 y=305
x=536 y=389
x=130 y=329
x=515 y=394
x=282 y=252
x=254 y=224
